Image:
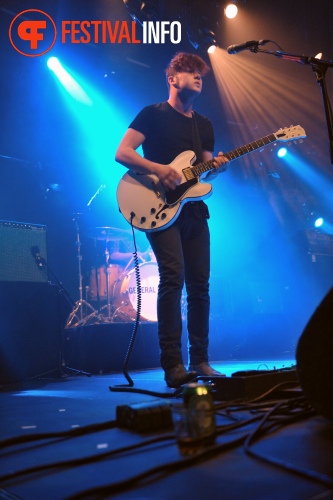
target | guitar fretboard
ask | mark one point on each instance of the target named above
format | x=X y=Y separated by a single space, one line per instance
x=235 y=153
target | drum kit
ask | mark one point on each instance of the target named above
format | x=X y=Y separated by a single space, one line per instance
x=111 y=295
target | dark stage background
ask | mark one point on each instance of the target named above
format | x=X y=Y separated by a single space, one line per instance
x=270 y=266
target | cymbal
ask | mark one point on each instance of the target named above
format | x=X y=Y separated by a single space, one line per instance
x=108 y=233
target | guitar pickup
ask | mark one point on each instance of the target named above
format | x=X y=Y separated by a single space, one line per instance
x=188 y=173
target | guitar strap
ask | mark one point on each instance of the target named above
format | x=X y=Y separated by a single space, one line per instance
x=197 y=148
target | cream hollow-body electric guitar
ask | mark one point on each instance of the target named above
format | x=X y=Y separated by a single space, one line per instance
x=147 y=206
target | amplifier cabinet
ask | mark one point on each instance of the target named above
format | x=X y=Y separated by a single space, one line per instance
x=32 y=317
x=19 y=244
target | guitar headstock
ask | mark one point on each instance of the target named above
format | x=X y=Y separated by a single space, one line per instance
x=290 y=133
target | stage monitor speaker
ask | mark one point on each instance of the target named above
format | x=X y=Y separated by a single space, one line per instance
x=19 y=243
x=32 y=318
x=314 y=356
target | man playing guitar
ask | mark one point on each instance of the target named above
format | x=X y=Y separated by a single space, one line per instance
x=182 y=249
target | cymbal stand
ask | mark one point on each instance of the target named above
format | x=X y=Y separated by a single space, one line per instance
x=129 y=263
x=76 y=317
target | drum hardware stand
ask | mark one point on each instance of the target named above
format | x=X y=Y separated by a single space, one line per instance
x=76 y=317
x=110 y=296
x=107 y=306
x=116 y=312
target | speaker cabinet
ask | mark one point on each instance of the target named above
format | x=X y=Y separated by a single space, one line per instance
x=314 y=357
x=18 y=243
x=32 y=318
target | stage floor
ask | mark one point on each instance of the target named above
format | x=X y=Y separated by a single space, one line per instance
x=105 y=460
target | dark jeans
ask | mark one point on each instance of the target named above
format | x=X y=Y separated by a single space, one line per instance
x=183 y=255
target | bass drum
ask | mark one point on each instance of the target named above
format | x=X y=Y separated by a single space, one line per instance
x=126 y=293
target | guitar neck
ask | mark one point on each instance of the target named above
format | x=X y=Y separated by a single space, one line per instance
x=201 y=168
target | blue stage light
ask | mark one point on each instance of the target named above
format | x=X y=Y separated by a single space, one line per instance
x=282 y=152
x=319 y=222
x=53 y=63
x=68 y=82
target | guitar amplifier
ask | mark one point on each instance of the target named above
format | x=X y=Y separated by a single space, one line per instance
x=19 y=244
x=318 y=243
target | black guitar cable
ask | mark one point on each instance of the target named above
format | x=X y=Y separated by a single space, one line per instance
x=138 y=310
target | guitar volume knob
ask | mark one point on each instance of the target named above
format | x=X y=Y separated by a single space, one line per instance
x=143 y=220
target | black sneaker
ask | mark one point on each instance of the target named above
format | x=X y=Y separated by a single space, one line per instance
x=204 y=369
x=177 y=376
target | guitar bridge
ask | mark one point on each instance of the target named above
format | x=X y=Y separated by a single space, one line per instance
x=188 y=173
x=156 y=191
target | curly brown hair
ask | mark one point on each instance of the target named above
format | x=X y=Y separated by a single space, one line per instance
x=184 y=61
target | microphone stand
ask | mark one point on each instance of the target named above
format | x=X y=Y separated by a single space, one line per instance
x=43 y=265
x=102 y=186
x=320 y=68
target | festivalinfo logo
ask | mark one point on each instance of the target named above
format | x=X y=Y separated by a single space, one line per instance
x=33 y=32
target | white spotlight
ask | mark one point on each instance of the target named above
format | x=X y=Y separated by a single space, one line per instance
x=53 y=63
x=231 y=11
x=211 y=49
x=282 y=152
